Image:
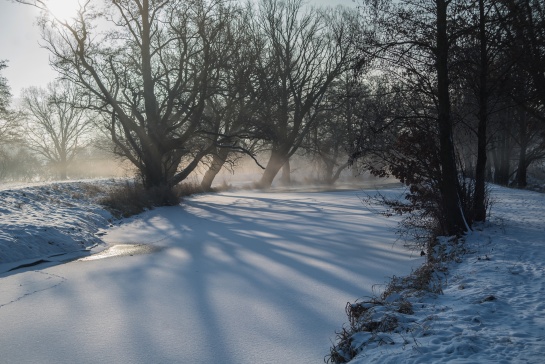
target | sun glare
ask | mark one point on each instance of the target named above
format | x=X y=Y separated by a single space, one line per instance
x=63 y=9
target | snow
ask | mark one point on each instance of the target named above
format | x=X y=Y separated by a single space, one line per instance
x=492 y=309
x=239 y=277
x=47 y=221
x=255 y=277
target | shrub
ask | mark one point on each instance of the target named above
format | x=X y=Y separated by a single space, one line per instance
x=131 y=198
x=126 y=199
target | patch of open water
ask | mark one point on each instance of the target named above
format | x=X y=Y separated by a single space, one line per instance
x=120 y=250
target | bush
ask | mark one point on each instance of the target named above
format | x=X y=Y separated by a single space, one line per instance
x=131 y=198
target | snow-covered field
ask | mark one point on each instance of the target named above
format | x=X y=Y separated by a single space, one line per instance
x=253 y=277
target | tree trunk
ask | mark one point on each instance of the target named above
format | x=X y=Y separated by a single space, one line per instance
x=218 y=161
x=501 y=159
x=337 y=174
x=522 y=163
x=489 y=169
x=479 y=207
x=286 y=174
x=522 y=170
x=454 y=220
x=276 y=161
x=184 y=173
x=327 y=175
x=152 y=173
x=62 y=171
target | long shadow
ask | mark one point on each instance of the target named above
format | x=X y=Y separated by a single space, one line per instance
x=241 y=236
x=243 y=278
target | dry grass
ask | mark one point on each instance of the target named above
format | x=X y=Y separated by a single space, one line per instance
x=376 y=316
x=427 y=278
x=126 y=199
x=380 y=315
x=131 y=198
x=92 y=190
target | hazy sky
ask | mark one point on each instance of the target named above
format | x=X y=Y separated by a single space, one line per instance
x=28 y=63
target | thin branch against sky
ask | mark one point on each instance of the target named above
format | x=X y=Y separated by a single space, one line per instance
x=28 y=63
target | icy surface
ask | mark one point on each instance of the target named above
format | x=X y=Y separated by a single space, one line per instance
x=242 y=277
x=250 y=277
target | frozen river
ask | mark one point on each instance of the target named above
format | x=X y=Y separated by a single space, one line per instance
x=243 y=277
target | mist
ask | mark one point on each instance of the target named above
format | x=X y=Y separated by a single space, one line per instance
x=306 y=174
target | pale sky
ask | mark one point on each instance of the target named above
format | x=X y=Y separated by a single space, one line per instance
x=28 y=63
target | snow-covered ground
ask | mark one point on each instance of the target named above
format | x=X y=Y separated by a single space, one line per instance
x=47 y=221
x=252 y=277
x=492 y=309
x=240 y=277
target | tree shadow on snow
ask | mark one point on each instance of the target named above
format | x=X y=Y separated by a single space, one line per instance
x=242 y=278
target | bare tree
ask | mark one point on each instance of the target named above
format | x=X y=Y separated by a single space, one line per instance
x=9 y=121
x=232 y=109
x=530 y=138
x=305 y=51
x=413 y=42
x=55 y=127
x=477 y=70
x=149 y=71
x=523 y=30
x=450 y=190
x=328 y=143
x=9 y=127
x=479 y=203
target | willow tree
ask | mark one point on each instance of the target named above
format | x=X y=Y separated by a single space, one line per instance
x=148 y=67
x=304 y=51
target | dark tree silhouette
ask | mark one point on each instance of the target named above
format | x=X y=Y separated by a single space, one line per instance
x=150 y=74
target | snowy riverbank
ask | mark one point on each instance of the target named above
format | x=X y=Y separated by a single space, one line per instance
x=235 y=277
x=47 y=221
x=246 y=277
x=492 y=309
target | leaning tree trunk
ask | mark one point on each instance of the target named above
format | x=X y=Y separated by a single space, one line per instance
x=277 y=159
x=454 y=220
x=218 y=160
x=337 y=174
x=285 y=180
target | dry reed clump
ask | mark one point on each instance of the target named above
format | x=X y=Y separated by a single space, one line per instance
x=92 y=190
x=187 y=189
x=131 y=198
x=426 y=279
x=371 y=322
